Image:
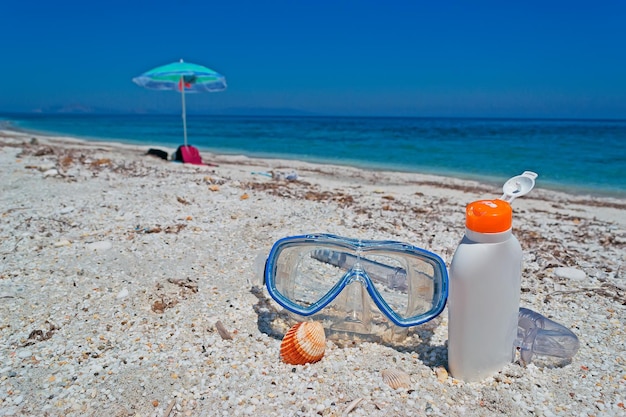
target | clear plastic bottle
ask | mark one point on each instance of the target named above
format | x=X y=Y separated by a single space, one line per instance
x=484 y=297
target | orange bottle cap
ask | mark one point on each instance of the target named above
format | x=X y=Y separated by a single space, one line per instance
x=488 y=216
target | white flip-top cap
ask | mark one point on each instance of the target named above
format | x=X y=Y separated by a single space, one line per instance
x=518 y=186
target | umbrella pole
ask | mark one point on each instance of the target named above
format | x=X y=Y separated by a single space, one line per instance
x=182 y=93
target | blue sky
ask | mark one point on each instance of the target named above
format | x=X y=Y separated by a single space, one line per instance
x=394 y=58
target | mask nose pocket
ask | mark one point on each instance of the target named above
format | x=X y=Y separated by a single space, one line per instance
x=356 y=317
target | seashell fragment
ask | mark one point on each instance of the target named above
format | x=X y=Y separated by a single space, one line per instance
x=62 y=242
x=441 y=373
x=396 y=378
x=303 y=343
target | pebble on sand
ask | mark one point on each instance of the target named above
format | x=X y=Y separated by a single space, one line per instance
x=100 y=246
x=51 y=173
x=570 y=273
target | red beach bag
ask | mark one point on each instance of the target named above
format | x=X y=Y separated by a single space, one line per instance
x=188 y=154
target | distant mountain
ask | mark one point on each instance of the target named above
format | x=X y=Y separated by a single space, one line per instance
x=231 y=111
x=77 y=109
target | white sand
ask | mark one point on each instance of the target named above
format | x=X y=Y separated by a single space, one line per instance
x=116 y=267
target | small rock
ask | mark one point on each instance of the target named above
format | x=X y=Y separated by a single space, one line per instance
x=51 y=173
x=66 y=210
x=100 y=246
x=122 y=294
x=46 y=167
x=73 y=173
x=96 y=369
x=25 y=353
x=570 y=273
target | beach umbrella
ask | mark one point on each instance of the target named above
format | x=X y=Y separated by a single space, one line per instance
x=183 y=77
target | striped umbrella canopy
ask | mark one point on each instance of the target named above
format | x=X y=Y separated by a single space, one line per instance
x=183 y=77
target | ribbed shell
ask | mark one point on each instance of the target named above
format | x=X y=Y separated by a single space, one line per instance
x=396 y=378
x=303 y=343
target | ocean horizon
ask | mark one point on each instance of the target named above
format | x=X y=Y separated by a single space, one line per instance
x=580 y=156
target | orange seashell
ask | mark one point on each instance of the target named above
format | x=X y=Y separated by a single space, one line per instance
x=303 y=343
x=396 y=378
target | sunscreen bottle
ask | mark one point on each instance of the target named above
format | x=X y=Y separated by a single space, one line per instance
x=485 y=281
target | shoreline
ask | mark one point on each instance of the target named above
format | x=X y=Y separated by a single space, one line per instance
x=589 y=197
x=117 y=267
x=492 y=180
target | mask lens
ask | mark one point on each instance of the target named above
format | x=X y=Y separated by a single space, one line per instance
x=303 y=279
x=388 y=274
x=407 y=283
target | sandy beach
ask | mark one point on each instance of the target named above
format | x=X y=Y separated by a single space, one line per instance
x=116 y=267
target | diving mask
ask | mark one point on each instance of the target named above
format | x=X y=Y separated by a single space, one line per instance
x=366 y=287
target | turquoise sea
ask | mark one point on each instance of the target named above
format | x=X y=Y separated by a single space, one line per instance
x=580 y=156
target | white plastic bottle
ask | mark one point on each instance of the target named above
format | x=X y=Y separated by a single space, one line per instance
x=484 y=296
